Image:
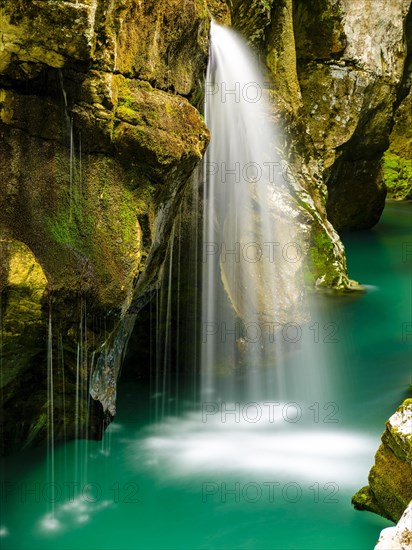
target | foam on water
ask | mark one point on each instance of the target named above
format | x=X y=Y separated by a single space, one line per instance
x=191 y=445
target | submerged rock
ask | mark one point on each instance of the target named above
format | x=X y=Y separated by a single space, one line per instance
x=390 y=479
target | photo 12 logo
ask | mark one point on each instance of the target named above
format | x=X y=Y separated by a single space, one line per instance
x=270 y=172
x=253 y=333
x=252 y=492
x=69 y=491
x=238 y=92
x=269 y=412
x=253 y=252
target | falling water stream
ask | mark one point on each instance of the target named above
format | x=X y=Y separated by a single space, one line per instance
x=286 y=427
x=254 y=242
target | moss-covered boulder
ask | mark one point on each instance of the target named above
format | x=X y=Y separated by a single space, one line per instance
x=23 y=285
x=390 y=479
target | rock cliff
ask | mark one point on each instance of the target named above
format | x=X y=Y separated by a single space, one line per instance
x=342 y=68
x=98 y=131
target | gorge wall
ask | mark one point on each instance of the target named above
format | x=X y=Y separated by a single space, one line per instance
x=98 y=132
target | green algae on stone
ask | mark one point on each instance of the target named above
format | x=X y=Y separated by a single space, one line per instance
x=397 y=161
x=156 y=128
x=390 y=479
x=398 y=176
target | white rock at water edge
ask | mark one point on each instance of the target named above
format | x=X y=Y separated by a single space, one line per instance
x=400 y=536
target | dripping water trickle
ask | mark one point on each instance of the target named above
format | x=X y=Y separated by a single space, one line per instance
x=52 y=521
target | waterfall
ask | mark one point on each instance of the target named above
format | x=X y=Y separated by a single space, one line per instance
x=267 y=408
x=254 y=238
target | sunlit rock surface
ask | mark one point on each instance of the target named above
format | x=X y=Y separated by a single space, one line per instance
x=398 y=537
x=351 y=75
x=390 y=479
x=397 y=165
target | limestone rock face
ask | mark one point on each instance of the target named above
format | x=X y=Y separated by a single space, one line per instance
x=98 y=131
x=161 y=42
x=398 y=537
x=340 y=68
x=390 y=479
x=351 y=74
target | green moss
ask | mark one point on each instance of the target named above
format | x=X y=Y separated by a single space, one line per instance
x=62 y=229
x=21 y=310
x=362 y=500
x=156 y=128
x=320 y=258
x=97 y=218
x=128 y=115
x=398 y=175
x=26 y=284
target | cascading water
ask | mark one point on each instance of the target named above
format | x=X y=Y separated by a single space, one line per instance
x=254 y=239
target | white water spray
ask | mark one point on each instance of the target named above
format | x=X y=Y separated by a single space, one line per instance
x=254 y=239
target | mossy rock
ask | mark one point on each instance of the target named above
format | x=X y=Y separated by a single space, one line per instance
x=156 y=129
x=390 y=479
x=398 y=176
x=22 y=287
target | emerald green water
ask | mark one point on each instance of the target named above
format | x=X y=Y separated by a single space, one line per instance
x=187 y=484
